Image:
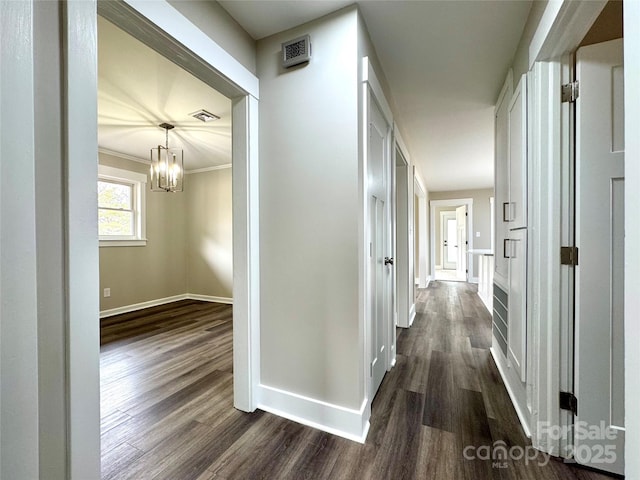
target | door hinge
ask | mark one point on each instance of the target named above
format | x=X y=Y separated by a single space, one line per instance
x=569 y=256
x=568 y=401
x=570 y=92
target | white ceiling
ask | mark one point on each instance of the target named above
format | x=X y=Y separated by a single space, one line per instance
x=445 y=62
x=138 y=89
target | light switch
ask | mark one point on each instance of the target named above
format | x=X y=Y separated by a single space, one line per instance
x=477 y=234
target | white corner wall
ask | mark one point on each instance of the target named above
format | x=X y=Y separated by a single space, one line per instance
x=19 y=412
x=311 y=354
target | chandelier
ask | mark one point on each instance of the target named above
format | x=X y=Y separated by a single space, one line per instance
x=167 y=166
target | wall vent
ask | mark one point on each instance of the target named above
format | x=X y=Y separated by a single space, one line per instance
x=296 y=51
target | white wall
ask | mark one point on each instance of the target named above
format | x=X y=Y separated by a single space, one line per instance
x=221 y=27
x=309 y=206
x=632 y=238
x=209 y=239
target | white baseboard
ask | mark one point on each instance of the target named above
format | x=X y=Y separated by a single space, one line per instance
x=475 y=280
x=500 y=363
x=162 y=301
x=428 y=281
x=488 y=303
x=412 y=314
x=210 y=298
x=344 y=422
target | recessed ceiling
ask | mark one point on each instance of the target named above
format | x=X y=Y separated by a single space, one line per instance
x=138 y=89
x=445 y=62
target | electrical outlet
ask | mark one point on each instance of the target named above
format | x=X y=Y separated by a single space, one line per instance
x=107 y=292
x=477 y=234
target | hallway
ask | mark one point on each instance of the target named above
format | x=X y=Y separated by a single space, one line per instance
x=167 y=400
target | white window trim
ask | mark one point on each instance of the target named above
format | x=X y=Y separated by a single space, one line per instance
x=139 y=181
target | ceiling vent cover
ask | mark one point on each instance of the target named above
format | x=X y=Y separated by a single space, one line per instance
x=297 y=51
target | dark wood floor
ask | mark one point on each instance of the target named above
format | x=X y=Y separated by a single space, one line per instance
x=166 y=394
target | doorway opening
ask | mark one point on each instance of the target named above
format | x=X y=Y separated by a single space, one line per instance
x=166 y=258
x=451 y=239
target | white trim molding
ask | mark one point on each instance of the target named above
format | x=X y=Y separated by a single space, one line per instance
x=503 y=368
x=345 y=422
x=163 y=301
x=132 y=158
x=210 y=298
x=125 y=156
x=208 y=169
x=412 y=314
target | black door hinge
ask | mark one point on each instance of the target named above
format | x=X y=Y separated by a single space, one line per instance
x=569 y=256
x=570 y=92
x=568 y=401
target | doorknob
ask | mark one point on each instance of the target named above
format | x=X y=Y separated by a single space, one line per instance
x=388 y=261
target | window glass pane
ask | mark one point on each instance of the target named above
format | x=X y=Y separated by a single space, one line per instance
x=114 y=195
x=113 y=222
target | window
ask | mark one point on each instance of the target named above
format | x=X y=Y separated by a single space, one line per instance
x=121 y=207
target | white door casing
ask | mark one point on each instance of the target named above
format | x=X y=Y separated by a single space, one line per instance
x=461 y=241
x=599 y=332
x=380 y=278
x=448 y=234
x=404 y=231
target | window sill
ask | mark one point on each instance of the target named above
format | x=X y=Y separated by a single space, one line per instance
x=123 y=243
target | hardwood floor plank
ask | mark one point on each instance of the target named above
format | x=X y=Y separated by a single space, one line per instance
x=398 y=454
x=437 y=454
x=472 y=429
x=465 y=372
x=278 y=439
x=439 y=405
x=118 y=460
x=111 y=420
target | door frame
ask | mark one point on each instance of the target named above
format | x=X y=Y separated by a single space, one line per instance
x=423 y=237
x=372 y=91
x=162 y=27
x=444 y=216
x=453 y=202
x=404 y=255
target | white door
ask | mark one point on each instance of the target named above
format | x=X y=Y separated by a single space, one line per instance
x=501 y=170
x=461 y=238
x=517 y=207
x=449 y=241
x=599 y=349
x=517 y=337
x=380 y=279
